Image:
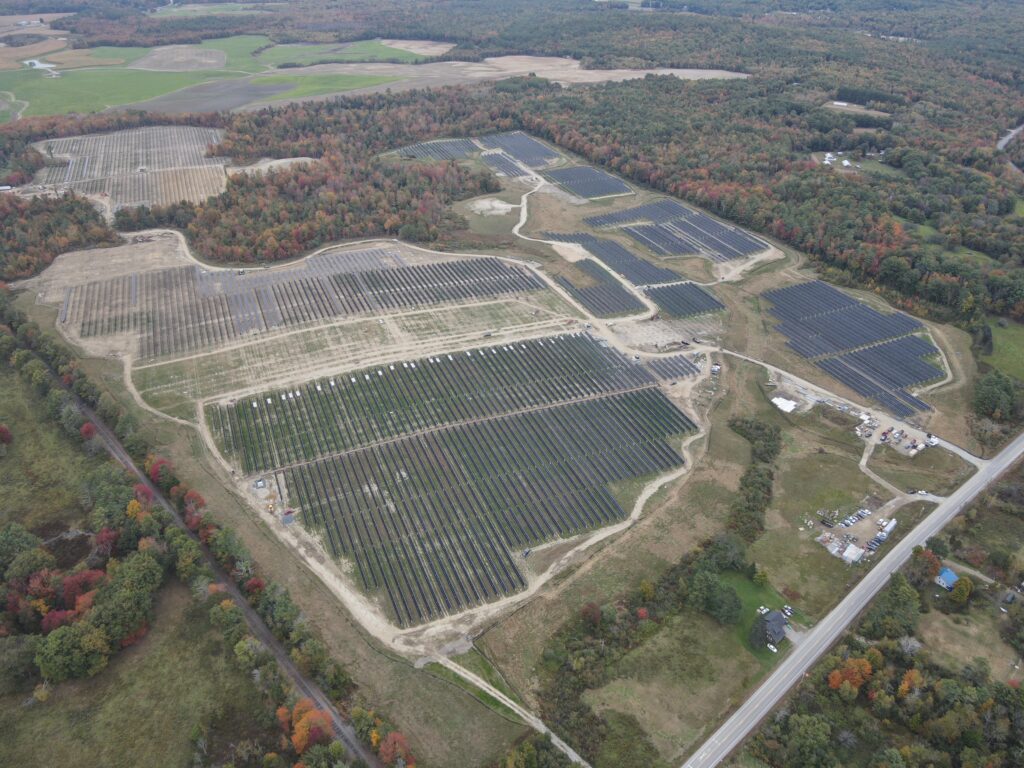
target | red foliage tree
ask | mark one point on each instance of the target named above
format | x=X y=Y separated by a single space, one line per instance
x=592 y=614
x=143 y=494
x=88 y=431
x=5 y=435
x=55 y=619
x=393 y=747
x=135 y=636
x=254 y=585
x=78 y=584
x=105 y=540
x=642 y=613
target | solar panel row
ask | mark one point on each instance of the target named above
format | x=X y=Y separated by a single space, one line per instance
x=684 y=299
x=589 y=182
x=872 y=353
x=503 y=165
x=675 y=367
x=620 y=260
x=606 y=299
x=659 y=210
x=442 y=149
x=524 y=148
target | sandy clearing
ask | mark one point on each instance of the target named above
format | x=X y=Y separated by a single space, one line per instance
x=267 y=164
x=181 y=58
x=491 y=206
x=569 y=71
x=421 y=47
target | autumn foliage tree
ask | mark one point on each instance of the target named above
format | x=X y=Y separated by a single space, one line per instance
x=395 y=747
x=309 y=726
x=5 y=435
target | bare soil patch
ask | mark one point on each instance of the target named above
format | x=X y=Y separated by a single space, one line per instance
x=421 y=47
x=182 y=58
x=569 y=71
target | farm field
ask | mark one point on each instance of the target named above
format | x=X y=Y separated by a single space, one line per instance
x=91 y=90
x=214 y=9
x=363 y=50
x=306 y=86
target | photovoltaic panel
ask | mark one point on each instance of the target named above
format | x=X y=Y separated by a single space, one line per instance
x=684 y=299
x=589 y=182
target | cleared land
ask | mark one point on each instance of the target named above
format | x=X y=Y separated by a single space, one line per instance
x=1007 y=349
x=957 y=639
x=934 y=469
x=141 y=166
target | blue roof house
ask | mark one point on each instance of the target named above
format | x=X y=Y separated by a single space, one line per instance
x=947 y=579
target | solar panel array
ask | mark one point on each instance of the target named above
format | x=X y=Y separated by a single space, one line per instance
x=524 y=148
x=684 y=299
x=442 y=149
x=503 y=165
x=659 y=210
x=663 y=239
x=184 y=309
x=819 y=320
x=606 y=299
x=872 y=353
x=675 y=367
x=590 y=182
x=620 y=260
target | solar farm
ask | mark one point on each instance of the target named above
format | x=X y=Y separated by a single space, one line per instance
x=431 y=474
x=876 y=355
x=668 y=228
x=442 y=149
x=607 y=297
x=617 y=258
x=684 y=300
x=522 y=147
x=184 y=309
x=589 y=182
x=141 y=166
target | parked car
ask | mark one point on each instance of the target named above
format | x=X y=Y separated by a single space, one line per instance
x=772 y=648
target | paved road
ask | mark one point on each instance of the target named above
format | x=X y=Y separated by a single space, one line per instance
x=343 y=729
x=818 y=640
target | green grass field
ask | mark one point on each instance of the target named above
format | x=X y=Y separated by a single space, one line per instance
x=362 y=50
x=240 y=50
x=304 y=86
x=41 y=475
x=214 y=9
x=145 y=707
x=92 y=90
x=934 y=469
x=1007 y=349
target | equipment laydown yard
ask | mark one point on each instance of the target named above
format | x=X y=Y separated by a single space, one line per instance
x=429 y=474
